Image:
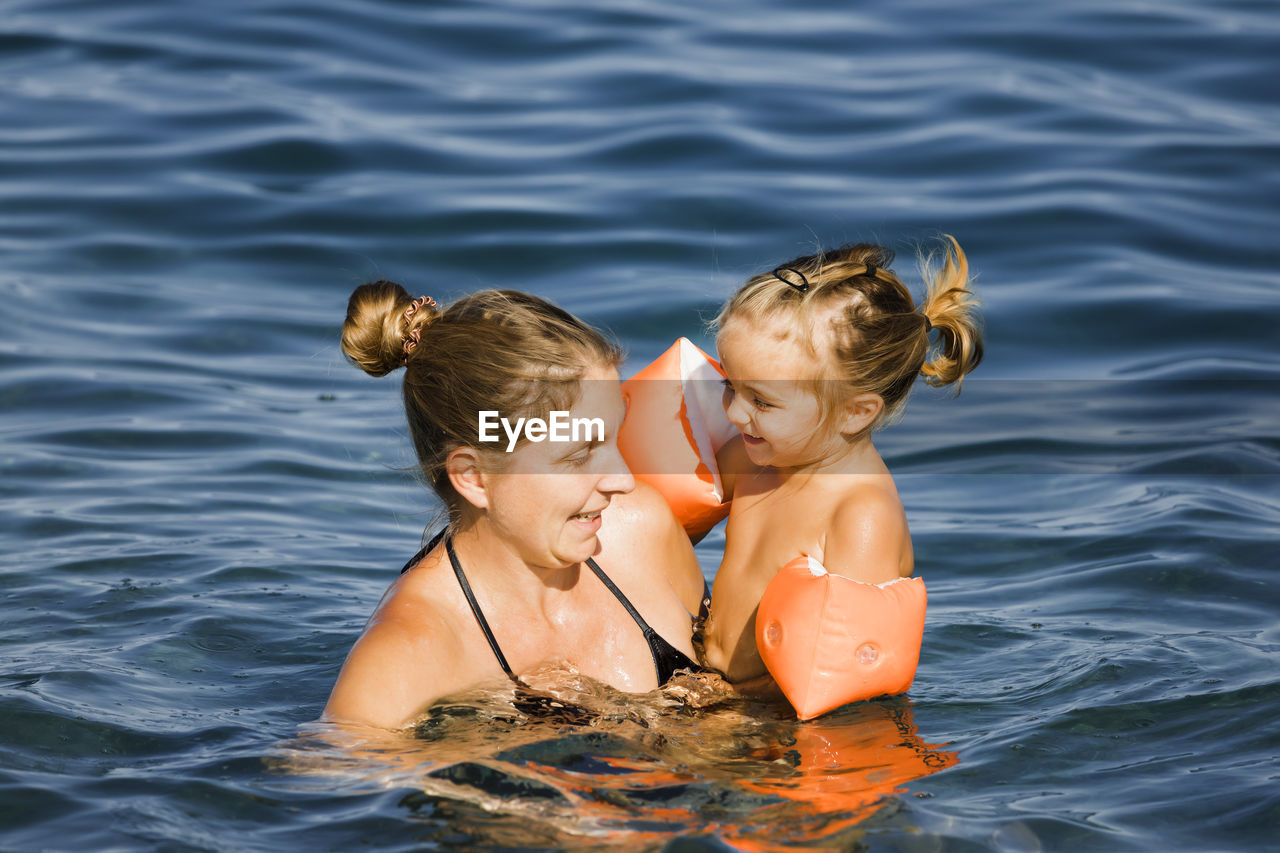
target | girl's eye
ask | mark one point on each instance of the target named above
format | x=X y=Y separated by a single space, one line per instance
x=580 y=458
x=755 y=401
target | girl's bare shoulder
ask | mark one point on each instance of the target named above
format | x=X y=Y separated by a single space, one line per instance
x=868 y=537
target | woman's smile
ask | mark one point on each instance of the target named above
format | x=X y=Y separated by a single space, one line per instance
x=588 y=522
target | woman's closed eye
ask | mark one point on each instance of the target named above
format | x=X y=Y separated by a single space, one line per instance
x=581 y=456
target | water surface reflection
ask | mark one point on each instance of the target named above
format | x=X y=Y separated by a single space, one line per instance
x=569 y=762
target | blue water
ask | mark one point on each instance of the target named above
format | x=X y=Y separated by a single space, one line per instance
x=202 y=501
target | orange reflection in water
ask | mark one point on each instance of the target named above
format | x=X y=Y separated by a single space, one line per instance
x=638 y=772
x=812 y=781
x=848 y=763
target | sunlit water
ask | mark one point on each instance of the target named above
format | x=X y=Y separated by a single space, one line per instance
x=203 y=502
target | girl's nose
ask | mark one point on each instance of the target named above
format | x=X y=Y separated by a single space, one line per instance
x=734 y=410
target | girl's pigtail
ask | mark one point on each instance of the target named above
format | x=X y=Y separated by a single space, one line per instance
x=951 y=308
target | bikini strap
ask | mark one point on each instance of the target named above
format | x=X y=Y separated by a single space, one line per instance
x=475 y=608
x=666 y=657
x=617 y=593
x=427 y=549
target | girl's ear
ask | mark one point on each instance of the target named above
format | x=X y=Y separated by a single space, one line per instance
x=465 y=473
x=860 y=413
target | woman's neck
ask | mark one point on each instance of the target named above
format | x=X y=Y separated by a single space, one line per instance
x=485 y=553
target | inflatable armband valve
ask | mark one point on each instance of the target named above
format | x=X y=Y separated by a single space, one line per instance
x=829 y=640
x=675 y=424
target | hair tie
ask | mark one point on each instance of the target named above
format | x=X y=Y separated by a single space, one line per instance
x=872 y=269
x=928 y=326
x=413 y=336
x=803 y=287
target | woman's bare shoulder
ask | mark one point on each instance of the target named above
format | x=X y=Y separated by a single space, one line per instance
x=408 y=656
x=641 y=537
x=638 y=520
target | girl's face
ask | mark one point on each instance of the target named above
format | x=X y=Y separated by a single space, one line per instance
x=548 y=498
x=768 y=399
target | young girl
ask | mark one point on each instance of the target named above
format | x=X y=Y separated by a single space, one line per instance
x=817 y=354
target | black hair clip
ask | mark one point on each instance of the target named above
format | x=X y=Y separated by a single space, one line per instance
x=872 y=269
x=803 y=287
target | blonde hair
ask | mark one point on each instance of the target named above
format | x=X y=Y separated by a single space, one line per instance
x=495 y=350
x=849 y=309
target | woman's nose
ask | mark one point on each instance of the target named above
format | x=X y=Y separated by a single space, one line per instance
x=616 y=478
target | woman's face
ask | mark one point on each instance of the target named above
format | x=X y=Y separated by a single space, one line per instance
x=549 y=495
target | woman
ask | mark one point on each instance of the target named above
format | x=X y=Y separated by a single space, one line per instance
x=552 y=554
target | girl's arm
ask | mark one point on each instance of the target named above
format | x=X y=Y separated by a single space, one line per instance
x=732 y=462
x=868 y=540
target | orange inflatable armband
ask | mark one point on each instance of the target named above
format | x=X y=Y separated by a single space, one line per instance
x=675 y=424
x=829 y=640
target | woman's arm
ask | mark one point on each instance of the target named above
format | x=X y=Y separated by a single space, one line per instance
x=395 y=671
x=644 y=524
x=670 y=546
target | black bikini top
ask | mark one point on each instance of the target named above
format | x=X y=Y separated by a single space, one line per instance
x=667 y=659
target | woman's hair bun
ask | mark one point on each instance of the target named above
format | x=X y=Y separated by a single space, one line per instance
x=373 y=334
